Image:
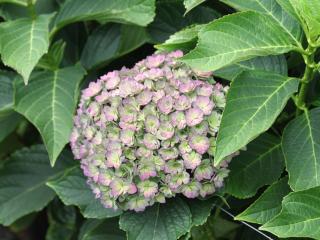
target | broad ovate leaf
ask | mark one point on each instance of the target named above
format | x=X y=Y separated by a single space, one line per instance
x=23 y=180
x=272 y=9
x=268 y=205
x=23 y=42
x=161 y=221
x=299 y=217
x=237 y=37
x=191 y=4
x=139 y=12
x=301 y=147
x=49 y=101
x=254 y=101
x=111 y=41
x=72 y=189
x=94 y=229
x=261 y=164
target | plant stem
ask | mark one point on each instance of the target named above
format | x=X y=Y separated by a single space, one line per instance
x=306 y=79
x=32 y=10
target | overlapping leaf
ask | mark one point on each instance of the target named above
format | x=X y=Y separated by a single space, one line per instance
x=161 y=221
x=23 y=182
x=140 y=12
x=254 y=101
x=261 y=164
x=101 y=229
x=301 y=147
x=73 y=190
x=274 y=10
x=49 y=102
x=238 y=37
x=299 y=217
x=191 y=4
x=23 y=42
x=111 y=41
x=267 y=205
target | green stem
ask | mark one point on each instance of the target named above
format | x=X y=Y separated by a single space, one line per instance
x=306 y=79
x=32 y=10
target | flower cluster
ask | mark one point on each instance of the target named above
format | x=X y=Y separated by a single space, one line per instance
x=148 y=133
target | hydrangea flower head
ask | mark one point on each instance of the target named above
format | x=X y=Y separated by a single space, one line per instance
x=147 y=133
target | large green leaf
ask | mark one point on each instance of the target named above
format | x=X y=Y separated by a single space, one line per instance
x=170 y=19
x=23 y=182
x=166 y=221
x=299 y=217
x=62 y=221
x=49 y=102
x=140 y=12
x=190 y=4
x=52 y=60
x=8 y=118
x=237 y=37
x=23 y=42
x=254 y=101
x=200 y=210
x=101 y=230
x=267 y=205
x=111 y=41
x=307 y=12
x=274 y=10
x=73 y=189
x=301 y=147
x=277 y=64
x=18 y=2
x=261 y=164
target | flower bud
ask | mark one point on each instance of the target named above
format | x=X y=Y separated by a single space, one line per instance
x=191 y=190
x=165 y=131
x=204 y=171
x=111 y=79
x=110 y=113
x=154 y=61
x=152 y=124
x=150 y=141
x=143 y=152
x=200 y=129
x=128 y=113
x=194 y=116
x=113 y=159
x=184 y=147
x=165 y=104
x=93 y=89
x=148 y=188
x=199 y=143
x=205 y=90
x=137 y=203
x=173 y=166
x=205 y=104
x=182 y=103
x=127 y=137
x=146 y=171
x=191 y=160
x=207 y=189
x=93 y=109
x=118 y=187
x=169 y=153
x=178 y=119
x=214 y=121
x=187 y=86
x=144 y=97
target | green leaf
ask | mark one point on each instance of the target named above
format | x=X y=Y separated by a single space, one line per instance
x=237 y=37
x=299 y=217
x=277 y=64
x=200 y=210
x=307 y=12
x=301 y=148
x=184 y=40
x=190 y=4
x=23 y=42
x=140 y=12
x=52 y=60
x=9 y=121
x=18 y=2
x=111 y=41
x=73 y=189
x=62 y=221
x=261 y=164
x=167 y=221
x=49 y=102
x=8 y=118
x=254 y=101
x=101 y=230
x=267 y=205
x=274 y=10
x=165 y=24
x=23 y=182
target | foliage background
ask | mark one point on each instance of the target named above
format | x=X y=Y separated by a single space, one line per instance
x=266 y=49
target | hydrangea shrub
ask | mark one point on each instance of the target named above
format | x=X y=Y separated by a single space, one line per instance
x=148 y=133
